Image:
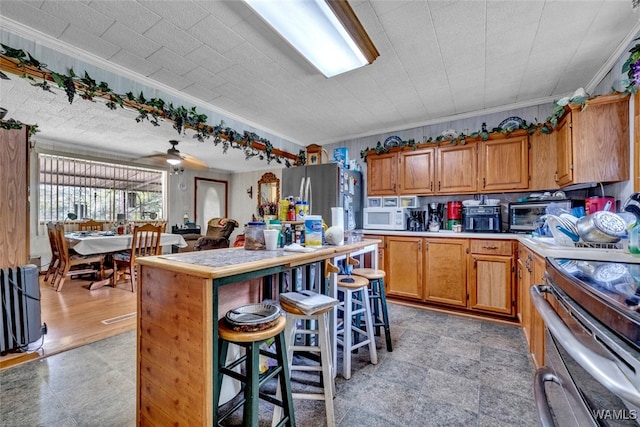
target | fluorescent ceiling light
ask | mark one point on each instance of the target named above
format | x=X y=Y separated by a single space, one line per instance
x=327 y=33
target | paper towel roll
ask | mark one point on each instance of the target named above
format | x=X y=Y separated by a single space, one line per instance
x=337 y=217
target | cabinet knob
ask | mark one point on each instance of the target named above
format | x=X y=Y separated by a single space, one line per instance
x=431 y=186
x=484 y=182
x=438 y=185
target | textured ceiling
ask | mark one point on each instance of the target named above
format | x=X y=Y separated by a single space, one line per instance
x=438 y=60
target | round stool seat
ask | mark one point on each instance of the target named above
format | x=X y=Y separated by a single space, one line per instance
x=295 y=310
x=228 y=334
x=369 y=273
x=358 y=282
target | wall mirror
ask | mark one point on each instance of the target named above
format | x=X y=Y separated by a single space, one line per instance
x=268 y=194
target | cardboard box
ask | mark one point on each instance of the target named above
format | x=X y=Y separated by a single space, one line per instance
x=341 y=155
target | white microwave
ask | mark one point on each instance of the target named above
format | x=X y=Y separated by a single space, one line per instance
x=390 y=218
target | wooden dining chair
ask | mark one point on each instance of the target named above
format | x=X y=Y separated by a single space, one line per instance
x=91 y=225
x=74 y=264
x=145 y=242
x=54 y=264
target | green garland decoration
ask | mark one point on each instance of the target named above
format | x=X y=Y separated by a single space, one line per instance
x=152 y=110
x=546 y=127
x=15 y=124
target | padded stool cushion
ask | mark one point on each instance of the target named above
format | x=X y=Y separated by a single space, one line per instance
x=295 y=310
x=228 y=334
x=358 y=282
x=369 y=273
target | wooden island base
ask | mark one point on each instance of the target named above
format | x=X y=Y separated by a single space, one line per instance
x=180 y=299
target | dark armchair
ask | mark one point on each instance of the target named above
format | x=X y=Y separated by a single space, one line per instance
x=218 y=232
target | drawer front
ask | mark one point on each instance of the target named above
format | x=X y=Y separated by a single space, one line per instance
x=492 y=247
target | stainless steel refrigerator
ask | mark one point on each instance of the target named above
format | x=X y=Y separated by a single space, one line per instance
x=325 y=186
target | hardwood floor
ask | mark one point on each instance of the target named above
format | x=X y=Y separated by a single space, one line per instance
x=77 y=316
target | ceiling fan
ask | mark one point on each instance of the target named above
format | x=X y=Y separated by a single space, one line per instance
x=174 y=158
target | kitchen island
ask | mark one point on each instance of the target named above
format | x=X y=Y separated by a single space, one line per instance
x=180 y=299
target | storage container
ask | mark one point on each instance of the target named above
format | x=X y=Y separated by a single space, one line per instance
x=254 y=236
x=313 y=230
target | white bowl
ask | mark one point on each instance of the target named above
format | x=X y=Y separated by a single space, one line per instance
x=470 y=202
x=492 y=202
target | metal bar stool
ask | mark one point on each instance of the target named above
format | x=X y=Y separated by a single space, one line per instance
x=299 y=323
x=253 y=380
x=355 y=303
x=378 y=300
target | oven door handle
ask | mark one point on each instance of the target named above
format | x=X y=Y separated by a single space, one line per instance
x=543 y=375
x=604 y=370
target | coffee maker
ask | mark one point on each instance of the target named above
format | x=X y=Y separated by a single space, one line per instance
x=435 y=214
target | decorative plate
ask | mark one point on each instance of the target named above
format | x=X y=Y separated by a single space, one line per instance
x=253 y=314
x=392 y=141
x=511 y=123
x=449 y=134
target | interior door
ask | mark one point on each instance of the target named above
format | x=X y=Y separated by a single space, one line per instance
x=211 y=200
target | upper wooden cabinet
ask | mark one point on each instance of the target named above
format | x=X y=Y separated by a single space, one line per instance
x=593 y=143
x=498 y=164
x=417 y=172
x=542 y=161
x=457 y=169
x=381 y=174
x=504 y=164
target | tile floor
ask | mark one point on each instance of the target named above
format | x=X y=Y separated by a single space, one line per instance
x=445 y=370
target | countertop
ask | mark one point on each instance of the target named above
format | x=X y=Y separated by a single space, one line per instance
x=543 y=246
x=217 y=263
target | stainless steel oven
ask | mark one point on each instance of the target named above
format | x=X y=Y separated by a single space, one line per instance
x=591 y=375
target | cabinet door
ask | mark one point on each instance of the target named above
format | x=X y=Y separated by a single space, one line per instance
x=542 y=161
x=504 y=164
x=417 y=172
x=446 y=271
x=564 y=151
x=381 y=174
x=490 y=282
x=404 y=266
x=457 y=169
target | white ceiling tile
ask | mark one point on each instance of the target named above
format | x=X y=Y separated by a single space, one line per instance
x=134 y=62
x=172 y=38
x=178 y=13
x=132 y=41
x=215 y=34
x=171 y=61
x=80 y=15
x=129 y=14
x=88 y=42
x=169 y=78
x=31 y=16
x=208 y=58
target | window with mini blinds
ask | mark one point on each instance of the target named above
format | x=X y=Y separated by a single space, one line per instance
x=98 y=190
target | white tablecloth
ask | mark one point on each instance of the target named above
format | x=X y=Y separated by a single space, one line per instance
x=101 y=244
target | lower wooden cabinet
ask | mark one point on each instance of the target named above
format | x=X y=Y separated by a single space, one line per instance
x=447 y=271
x=404 y=266
x=491 y=277
x=531 y=269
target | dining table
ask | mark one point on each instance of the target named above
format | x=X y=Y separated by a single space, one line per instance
x=105 y=242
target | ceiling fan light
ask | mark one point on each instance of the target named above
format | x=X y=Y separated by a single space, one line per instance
x=173 y=161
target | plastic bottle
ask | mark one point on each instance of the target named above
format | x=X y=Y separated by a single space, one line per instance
x=287 y=235
x=634 y=237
